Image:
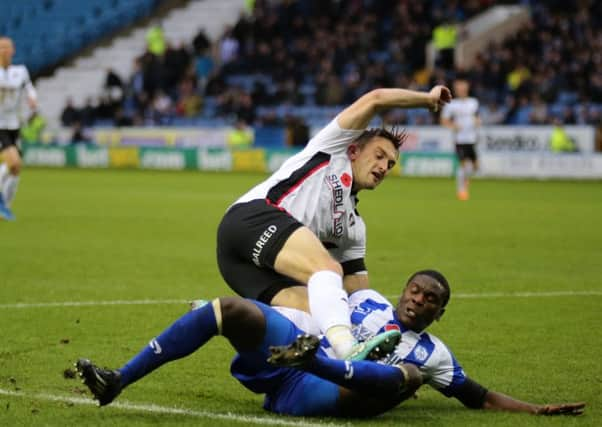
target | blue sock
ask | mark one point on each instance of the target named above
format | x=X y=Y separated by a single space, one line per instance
x=361 y=376
x=183 y=337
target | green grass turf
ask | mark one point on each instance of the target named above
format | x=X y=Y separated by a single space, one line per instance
x=131 y=235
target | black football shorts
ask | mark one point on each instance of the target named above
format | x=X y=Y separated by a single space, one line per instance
x=248 y=240
x=466 y=152
x=9 y=137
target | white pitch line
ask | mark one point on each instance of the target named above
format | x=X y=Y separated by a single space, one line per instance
x=156 y=409
x=527 y=294
x=175 y=301
x=92 y=303
x=486 y=295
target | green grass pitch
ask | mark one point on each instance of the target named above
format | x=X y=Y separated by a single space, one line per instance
x=524 y=260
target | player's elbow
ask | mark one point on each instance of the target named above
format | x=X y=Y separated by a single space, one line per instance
x=376 y=97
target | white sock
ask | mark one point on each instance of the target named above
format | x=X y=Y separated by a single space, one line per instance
x=329 y=307
x=460 y=179
x=468 y=169
x=9 y=188
x=3 y=173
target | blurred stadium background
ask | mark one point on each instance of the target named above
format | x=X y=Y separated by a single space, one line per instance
x=102 y=258
x=181 y=82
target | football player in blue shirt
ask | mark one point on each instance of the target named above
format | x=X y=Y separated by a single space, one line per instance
x=278 y=356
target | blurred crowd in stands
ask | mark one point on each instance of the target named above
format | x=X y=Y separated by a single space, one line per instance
x=296 y=61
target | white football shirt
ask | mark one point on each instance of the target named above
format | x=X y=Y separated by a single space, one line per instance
x=462 y=111
x=314 y=186
x=14 y=83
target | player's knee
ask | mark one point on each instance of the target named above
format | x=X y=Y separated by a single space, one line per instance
x=239 y=313
x=243 y=322
x=15 y=167
x=329 y=264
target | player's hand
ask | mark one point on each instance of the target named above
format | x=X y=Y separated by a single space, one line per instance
x=33 y=104
x=562 y=409
x=439 y=96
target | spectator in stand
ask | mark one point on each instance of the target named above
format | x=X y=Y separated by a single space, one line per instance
x=445 y=37
x=354 y=47
x=201 y=42
x=175 y=64
x=155 y=40
x=112 y=79
x=70 y=114
x=161 y=110
x=79 y=134
x=240 y=136
x=189 y=102
x=539 y=112
x=560 y=142
x=31 y=132
x=88 y=114
x=229 y=48
x=204 y=66
x=492 y=114
x=121 y=119
x=297 y=132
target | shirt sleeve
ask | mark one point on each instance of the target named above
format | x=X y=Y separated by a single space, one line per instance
x=470 y=393
x=446 y=113
x=333 y=138
x=29 y=89
x=444 y=372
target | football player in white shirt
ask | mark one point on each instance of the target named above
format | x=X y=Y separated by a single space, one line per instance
x=14 y=83
x=462 y=116
x=296 y=239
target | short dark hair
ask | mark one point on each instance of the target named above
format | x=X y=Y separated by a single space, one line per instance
x=395 y=135
x=440 y=278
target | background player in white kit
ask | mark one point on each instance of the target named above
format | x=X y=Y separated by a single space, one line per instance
x=296 y=239
x=14 y=84
x=462 y=116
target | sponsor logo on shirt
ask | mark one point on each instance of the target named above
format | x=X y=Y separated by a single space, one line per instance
x=260 y=243
x=338 y=211
x=421 y=353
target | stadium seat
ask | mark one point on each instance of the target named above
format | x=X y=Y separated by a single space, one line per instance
x=40 y=26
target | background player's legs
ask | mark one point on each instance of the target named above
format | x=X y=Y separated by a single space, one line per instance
x=3 y=171
x=304 y=258
x=12 y=159
x=463 y=174
x=460 y=180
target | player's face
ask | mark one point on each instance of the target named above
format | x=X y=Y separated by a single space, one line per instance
x=421 y=303
x=371 y=162
x=461 y=88
x=7 y=50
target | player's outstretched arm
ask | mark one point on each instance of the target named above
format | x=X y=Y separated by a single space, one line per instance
x=499 y=401
x=359 y=114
